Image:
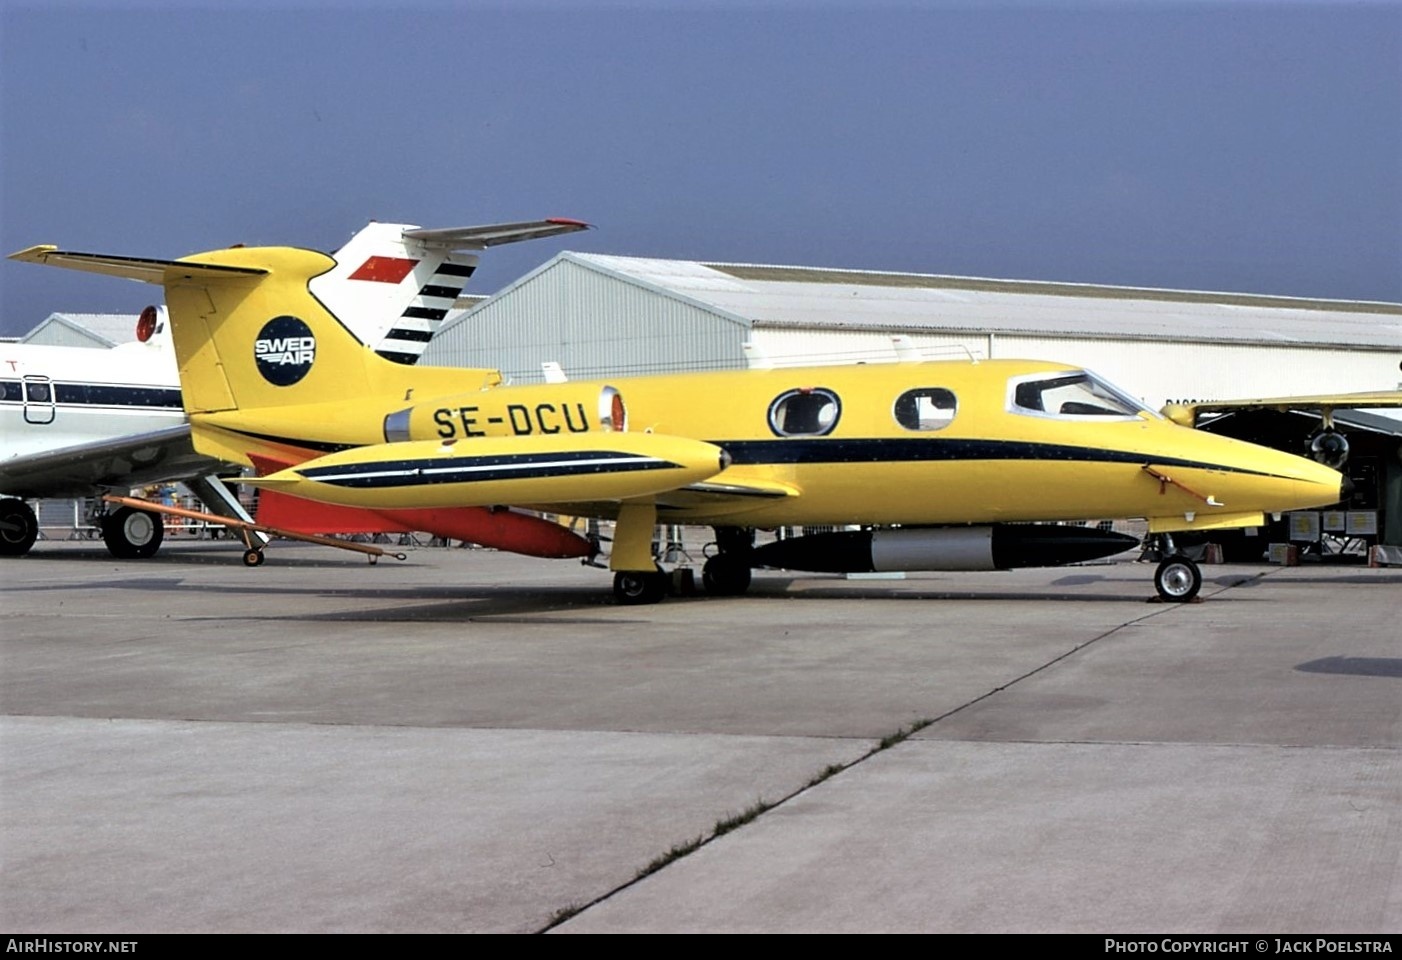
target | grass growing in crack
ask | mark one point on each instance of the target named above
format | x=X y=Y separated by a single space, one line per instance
x=564 y=913
x=728 y=824
x=676 y=853
x=751 y=813
x=721 y=828
x=891 y=739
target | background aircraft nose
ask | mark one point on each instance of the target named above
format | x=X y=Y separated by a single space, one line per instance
x=1345 y=488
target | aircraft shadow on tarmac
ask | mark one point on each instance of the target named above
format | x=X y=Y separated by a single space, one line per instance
x=448 y=603
x=807 y=588
x=1364 y=579
x=465 y=602
x=436 y=603
x=1355 y=666
x=213 y=553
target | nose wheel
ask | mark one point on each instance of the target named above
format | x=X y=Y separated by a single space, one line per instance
x=1177 y=579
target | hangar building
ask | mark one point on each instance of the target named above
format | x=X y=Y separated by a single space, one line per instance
x=602 y=316
x=97 y=330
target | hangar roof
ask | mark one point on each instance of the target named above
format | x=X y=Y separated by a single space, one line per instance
x=780 y=296
x=104 y=329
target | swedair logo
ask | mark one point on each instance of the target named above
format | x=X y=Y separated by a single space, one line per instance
x=284 y=350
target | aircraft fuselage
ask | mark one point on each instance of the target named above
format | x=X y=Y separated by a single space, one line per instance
x=909 y=443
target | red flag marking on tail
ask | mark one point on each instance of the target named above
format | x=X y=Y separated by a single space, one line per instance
x=384 y=269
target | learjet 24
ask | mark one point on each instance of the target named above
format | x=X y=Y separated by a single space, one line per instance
x=947 y=465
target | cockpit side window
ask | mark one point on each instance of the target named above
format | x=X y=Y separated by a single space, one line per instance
x=1074 y=394
x=925 y=408
x=807 y=412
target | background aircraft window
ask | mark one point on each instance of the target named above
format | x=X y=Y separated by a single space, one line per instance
x=925 y=408
x=36 y=391
x=810 y=412
x=1073 y=395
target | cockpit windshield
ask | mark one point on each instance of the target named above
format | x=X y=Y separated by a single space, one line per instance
x=1072 y=394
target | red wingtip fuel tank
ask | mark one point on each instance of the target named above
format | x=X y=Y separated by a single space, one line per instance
x=504 y=529
x=487 y=471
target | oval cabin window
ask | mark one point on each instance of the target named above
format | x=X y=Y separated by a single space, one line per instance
x=925 y=408
x=808 y=412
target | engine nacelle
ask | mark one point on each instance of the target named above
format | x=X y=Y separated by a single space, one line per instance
x=1329 y=447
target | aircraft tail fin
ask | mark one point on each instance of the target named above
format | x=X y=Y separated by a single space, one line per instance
x=251 y=336
x=393 y=284
x=271 y=341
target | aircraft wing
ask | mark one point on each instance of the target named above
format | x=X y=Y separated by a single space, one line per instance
x=1187 y=414
x=132 y=268
x=119 y=463
x=673 y=506
x=710 y=494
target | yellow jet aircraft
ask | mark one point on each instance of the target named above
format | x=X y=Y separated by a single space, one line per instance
x=945 y=464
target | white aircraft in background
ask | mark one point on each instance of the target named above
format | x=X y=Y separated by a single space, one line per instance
x=79 y=421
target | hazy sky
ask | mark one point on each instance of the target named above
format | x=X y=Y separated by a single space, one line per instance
x=1228 y=146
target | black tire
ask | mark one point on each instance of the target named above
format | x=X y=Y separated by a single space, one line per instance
x=635 y=587
x=132 y=534
x=253 y=558
x=19 y=528
x=1178 y=579
x=725 y=576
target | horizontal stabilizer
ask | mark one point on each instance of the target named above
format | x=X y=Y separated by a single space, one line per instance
x=132 y=268
x=494 y=234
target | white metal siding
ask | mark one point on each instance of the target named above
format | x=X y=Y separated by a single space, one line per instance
x=1154 y=371
x=1158 y=372
x=794 y=346
x=616 y=316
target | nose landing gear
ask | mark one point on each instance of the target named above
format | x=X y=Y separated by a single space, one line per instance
x=1178 y=579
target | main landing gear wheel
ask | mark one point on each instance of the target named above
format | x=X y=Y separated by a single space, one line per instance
x=18 y=527
x=634 y=587
x=1178 y=579
x=725 y=576
x=254 y=558
x=132 y=534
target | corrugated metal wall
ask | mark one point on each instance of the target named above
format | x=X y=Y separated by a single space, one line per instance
x=1158 y=372
x=599 y=324
x=797 y=346
x=593 y=324
x=61 y=335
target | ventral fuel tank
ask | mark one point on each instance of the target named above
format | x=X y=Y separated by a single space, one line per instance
x=1001 y=546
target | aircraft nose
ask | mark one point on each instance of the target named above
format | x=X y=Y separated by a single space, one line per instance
x=1346 y=489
